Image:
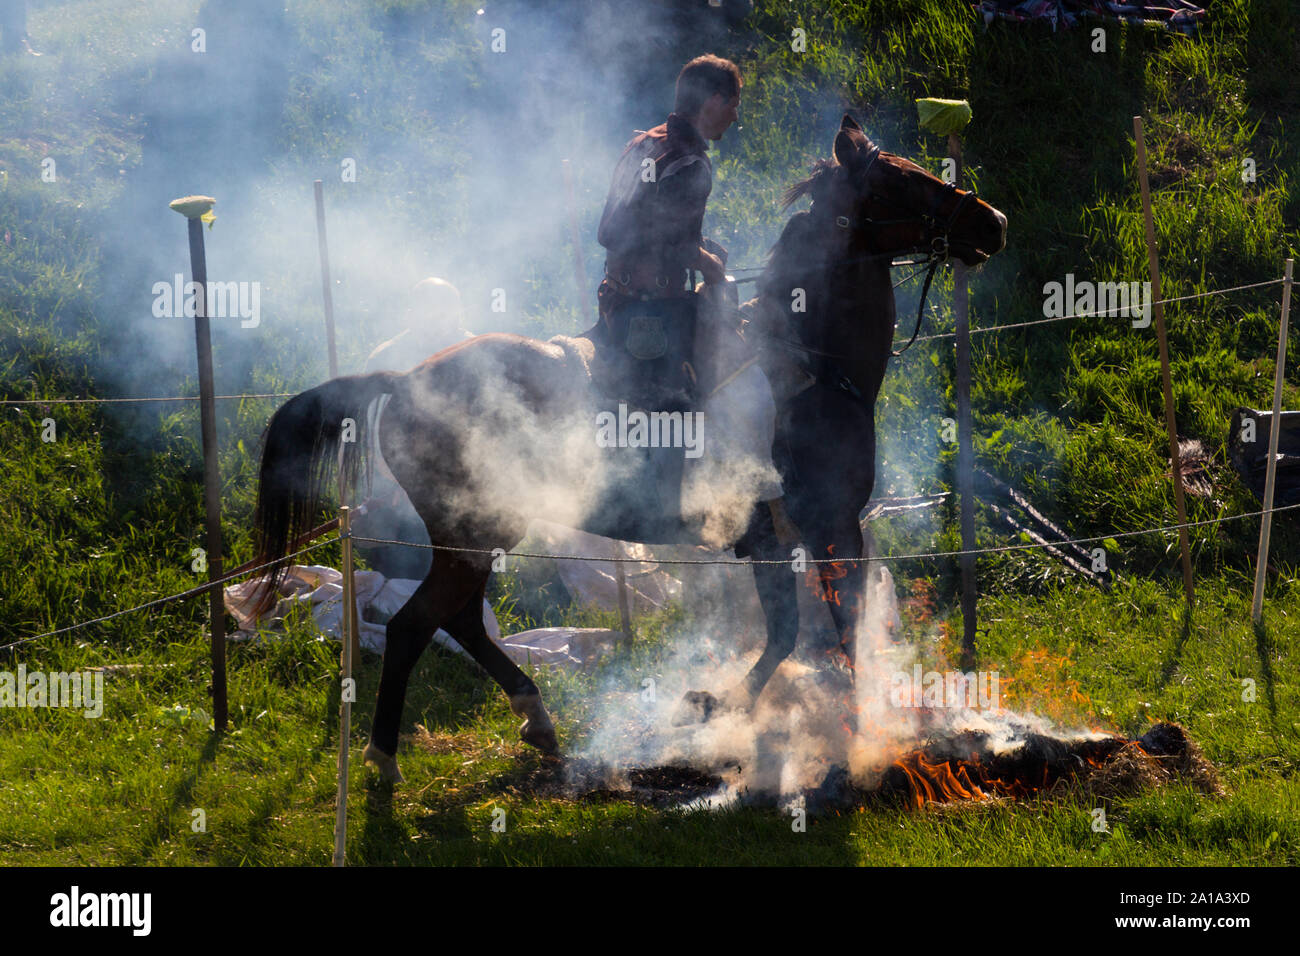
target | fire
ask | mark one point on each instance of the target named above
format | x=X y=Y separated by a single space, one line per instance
x=819 y=578
x=1043 y=683
x=927 y=779
x=937 y=781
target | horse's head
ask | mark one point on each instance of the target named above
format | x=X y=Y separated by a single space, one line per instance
x=889 y=205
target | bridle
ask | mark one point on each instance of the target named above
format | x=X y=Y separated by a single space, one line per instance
x=938 y=252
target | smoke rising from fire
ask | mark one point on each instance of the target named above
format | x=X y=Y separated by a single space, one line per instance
x=815 y=719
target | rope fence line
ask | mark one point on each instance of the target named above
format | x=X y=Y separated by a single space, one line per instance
x=813 y=561
x=192 y=592
x=1108 y=313
x=665 y=561
x=116 y=401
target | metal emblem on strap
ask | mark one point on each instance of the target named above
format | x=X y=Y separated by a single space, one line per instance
x=645 y=336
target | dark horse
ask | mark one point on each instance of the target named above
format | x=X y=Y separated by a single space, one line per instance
x=496 y=431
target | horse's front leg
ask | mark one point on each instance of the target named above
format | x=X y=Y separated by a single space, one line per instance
x=842 y=579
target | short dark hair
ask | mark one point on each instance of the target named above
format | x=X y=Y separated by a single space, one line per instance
x=701 y=78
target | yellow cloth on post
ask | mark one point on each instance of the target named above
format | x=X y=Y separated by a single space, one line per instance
x=944 y=117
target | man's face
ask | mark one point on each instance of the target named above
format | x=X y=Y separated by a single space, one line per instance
x=717 y=114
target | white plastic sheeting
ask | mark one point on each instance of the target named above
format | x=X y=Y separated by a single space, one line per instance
x=321 y=589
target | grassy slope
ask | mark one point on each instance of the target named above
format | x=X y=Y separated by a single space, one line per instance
x=98 y=522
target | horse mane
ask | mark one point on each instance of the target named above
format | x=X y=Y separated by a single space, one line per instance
x=787 y=260
x=787 y=257
x=822 y=170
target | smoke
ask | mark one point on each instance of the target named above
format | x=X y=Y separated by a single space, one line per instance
x=439 y=131
x=814 y=715
x=817 y=721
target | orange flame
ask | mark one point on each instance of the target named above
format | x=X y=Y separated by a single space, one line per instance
x=952 y=780
x=819 y=578
x=937 y=781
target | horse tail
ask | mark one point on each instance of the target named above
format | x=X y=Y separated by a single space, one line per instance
x=299 y=458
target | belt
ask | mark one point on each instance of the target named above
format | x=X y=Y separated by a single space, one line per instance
x=646 y=281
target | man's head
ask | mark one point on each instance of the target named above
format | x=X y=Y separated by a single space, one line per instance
x=435 y=314
x=708 y=94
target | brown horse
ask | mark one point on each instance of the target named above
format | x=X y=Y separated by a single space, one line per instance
x=498 y=430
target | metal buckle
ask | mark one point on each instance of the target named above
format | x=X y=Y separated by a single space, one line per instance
x=661 y=281
x=842 y=221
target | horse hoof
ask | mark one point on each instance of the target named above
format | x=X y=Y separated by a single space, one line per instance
x=738 y=698
x=386 y=764
x=699 y=706
x=537 y=729
x=696 y=707
x=543 y=739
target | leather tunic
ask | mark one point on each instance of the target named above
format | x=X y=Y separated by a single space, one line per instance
x=654 y=214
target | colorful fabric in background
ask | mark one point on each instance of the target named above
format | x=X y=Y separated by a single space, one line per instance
x=1176 y=15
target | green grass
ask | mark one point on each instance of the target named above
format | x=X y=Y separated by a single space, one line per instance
x=106 y=516
x=124 y=788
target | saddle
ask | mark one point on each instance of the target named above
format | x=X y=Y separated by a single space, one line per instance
x=650 y=365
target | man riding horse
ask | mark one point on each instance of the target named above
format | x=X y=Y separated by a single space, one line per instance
x=494 y=432
x=652 y=347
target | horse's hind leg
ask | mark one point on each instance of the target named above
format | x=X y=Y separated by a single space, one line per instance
x=449 y=584
x=525 y=700
x=776 y=584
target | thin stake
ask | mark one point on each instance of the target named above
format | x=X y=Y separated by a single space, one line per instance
x=579 y=270
x=1153 y=263
x=1270 y=473
x=580 y=277
x=328 y=297
x=193 y=208
x=325 y=278
x=624 y=611
x=345 y=702
x=965 y=445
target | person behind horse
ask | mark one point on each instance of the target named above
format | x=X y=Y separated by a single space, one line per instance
x=650 y=349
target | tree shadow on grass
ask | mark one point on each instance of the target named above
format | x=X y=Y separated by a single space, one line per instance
x=532 y=814
x=1175 y=655
x=182 y=796
x=1265 y=649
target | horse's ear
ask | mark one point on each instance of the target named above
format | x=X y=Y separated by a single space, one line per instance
x=846 y=148
x=848 y=123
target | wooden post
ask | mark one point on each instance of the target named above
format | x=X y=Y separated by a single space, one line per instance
x=624 y=611
x=347 y=692
x=584 y=303
x=579 y=270
x=1270 y=473
x=1153 y=264
x=194 y=208
x=965 y=440
x=323 y=244
x=328 y=297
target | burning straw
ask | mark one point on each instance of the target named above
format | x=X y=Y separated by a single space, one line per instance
x=825 y=737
